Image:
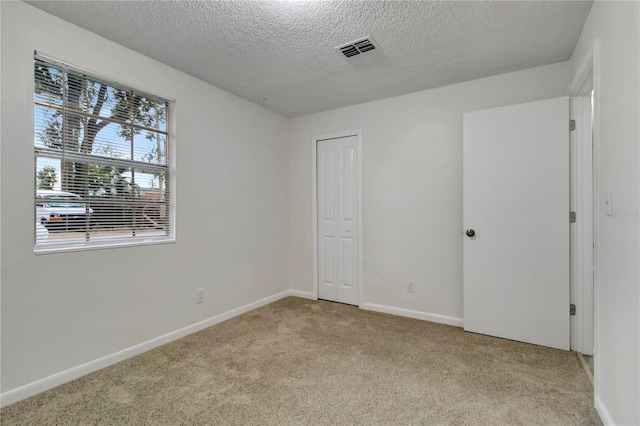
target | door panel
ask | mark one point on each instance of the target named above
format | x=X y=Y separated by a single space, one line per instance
x=329 y=183
x=347 y=262
x=329 y=265
x=327 y=223
x=348 y=189
x=516 y=198
x=338 y=214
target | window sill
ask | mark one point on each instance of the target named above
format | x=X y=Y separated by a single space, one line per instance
x=99 y=245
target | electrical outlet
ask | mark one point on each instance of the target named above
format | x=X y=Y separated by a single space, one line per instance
x=411 y=286
x=200 y=295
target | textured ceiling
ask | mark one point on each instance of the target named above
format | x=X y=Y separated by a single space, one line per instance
x=280 y=54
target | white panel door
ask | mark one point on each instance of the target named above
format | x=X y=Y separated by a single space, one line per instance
x=338 y=213
x=516 y=201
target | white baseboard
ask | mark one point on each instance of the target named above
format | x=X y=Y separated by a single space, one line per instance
x=441 y=319
x=22 y=392
x=605 y=416
x=302 y=294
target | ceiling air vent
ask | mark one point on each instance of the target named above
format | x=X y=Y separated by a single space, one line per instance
x=357 y=47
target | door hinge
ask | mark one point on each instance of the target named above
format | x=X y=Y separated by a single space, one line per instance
x=572 y=125
x=572 y=217
x=572 y=309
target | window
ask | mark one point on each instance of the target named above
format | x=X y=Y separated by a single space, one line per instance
x=103 y=164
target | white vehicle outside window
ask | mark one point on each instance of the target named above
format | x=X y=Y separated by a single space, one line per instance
x=58 y=210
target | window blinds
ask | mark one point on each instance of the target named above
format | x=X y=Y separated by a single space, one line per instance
x=102 y=161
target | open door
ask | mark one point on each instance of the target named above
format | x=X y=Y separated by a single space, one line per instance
x=516 y=222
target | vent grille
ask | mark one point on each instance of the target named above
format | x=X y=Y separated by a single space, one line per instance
x=357 y=47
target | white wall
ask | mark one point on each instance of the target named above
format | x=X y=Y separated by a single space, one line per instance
x=412 y=186
x=617 y=384
x=62 y=310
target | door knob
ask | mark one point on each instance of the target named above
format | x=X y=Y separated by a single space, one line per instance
x=470 y=233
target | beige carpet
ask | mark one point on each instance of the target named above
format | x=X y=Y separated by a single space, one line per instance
x=303 y=362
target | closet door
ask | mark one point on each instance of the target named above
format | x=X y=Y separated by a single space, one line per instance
x=338 y=213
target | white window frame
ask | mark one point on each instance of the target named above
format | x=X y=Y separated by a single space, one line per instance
x=111 y=242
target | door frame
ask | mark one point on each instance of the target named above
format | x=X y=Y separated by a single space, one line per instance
x=586 y=198
x=314 y=198
x=581 y=231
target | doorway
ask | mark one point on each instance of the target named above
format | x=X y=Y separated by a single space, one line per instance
x=338 y=218
x=581 y=229
x=583 y=203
